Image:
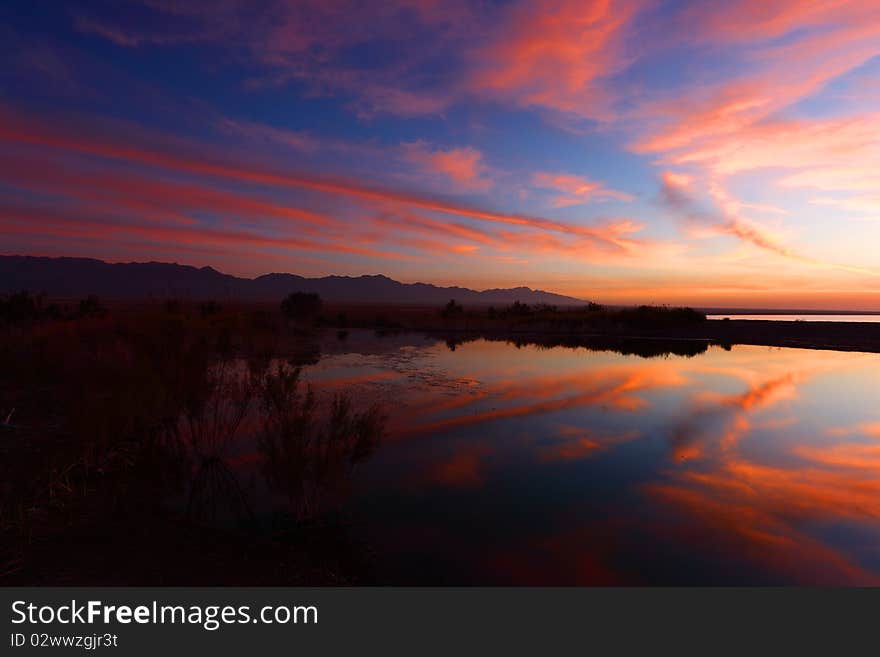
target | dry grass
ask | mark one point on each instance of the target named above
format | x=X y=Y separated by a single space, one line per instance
x=118 y=411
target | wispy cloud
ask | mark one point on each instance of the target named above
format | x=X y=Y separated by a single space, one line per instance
x=184 y=189
x=463 y=165
x=553 y=56
x=723 y=219
x=576 y=189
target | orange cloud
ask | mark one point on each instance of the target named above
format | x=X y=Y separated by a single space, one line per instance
x=783 y=53
x=464 y=166
x=15 y=128
x=755 y=509
x=749 y=20
x=615 y=387
x=574 y=444
x=853 y=455
x=464 y=469
x=99 y=224
x=677 y=194
x=572 y=450
x=693 y=437
x=801 y=145
x=577 y=189
x=867 y=428
x=127 y=189
x=776 y=76
x=552 y=55
x=764 y=511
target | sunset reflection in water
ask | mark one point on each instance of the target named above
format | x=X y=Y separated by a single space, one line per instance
x=535 y=465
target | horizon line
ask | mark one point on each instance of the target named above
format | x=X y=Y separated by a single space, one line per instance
x=708 y=309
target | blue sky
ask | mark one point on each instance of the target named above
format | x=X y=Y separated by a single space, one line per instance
x=625 y=151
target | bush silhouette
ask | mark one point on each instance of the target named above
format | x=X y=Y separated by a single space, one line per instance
x=20 y=306
x=91 y=305
x=452 y=309
x=659 y=317
x=301 y=305
x=519 y=308
x=308 y=460
x=209 y=308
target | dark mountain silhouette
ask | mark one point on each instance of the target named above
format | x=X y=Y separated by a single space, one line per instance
x=78 y=277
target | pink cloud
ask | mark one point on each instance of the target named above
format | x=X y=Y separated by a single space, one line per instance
x=576 y=189
x=171 y=155
x=104 y=226
x=723 y=218
x=463 y=166
x=552 y=55
x=503 y=52
x=750 y=20
x=152 y=185
x=735 y=124
x=678 y=195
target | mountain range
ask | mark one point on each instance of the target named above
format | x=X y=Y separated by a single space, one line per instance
x=79 y=277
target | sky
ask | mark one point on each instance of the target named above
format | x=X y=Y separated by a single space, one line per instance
x=633 y=151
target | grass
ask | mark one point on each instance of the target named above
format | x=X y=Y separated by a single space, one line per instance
x=121 y=411
x=514 y=317
x=312 y=464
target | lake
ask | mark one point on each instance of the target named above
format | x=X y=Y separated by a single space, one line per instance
x=803 y=318
x=530 y=464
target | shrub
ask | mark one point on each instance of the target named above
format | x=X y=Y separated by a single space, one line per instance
x=301 y=305
x=310 y=461
x=659 y=317
x=209 y=308
x=20 y=307
x=91 y=305
x=452 y=309
x=519 y=308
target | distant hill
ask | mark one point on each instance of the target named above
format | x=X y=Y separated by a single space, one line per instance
x=78 y=277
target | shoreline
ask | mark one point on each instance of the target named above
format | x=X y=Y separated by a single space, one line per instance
x=830 y=336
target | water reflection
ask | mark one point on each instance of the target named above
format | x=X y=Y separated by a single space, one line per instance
x=252 y=442
x=539 y=464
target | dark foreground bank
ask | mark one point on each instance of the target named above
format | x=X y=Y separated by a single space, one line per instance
x=120 y=427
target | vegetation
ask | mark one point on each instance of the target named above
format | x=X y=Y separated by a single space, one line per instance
x=642 y=347
x=517 y=317
x=452 y=309
x=91 y=305
x=127 y=425
x=209 y=308
x=659 y=317
x=129 y=422
x=311 y=464
x=301 y=305
x=23 y=307
x=543 y=317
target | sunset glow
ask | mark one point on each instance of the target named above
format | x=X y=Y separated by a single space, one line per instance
x=623 y=151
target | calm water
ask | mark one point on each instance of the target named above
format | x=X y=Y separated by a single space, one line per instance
x=563 y=465
x=804 y=318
